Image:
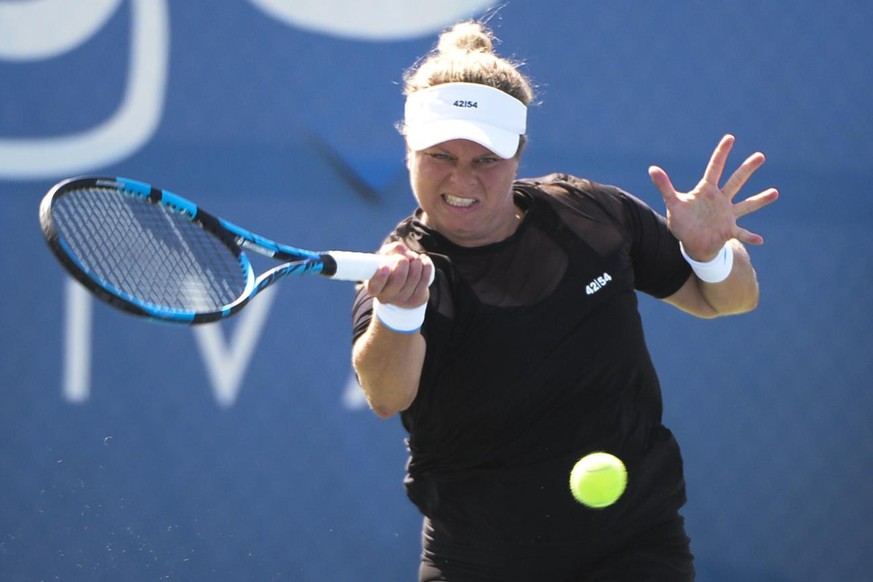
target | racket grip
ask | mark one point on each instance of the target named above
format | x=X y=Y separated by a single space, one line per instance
x=351 y=266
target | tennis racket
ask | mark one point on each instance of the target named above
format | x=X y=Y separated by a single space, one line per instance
x=157 y=255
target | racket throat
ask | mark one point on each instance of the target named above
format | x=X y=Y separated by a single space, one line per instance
x=329 y=265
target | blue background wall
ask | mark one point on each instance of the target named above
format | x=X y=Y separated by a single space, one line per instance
x=243 y=450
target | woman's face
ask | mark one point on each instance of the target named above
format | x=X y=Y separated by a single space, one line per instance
x=465 y=191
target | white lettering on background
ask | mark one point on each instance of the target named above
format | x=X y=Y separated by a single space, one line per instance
x=368 y=20
x=353 y=397
x=134 y=122
x=76 y=383
x=227 y=360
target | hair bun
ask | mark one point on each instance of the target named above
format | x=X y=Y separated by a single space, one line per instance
x=465 y=53
x=468 y=37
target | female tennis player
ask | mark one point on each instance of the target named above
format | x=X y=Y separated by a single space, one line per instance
x=527 y=351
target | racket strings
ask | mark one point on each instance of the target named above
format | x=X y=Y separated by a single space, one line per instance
x=149 y=252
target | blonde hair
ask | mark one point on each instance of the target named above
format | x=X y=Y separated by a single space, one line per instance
x=465 y=54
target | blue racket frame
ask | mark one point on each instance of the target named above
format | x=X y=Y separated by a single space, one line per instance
x=298 y=262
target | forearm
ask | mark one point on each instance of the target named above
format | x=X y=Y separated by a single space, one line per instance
x=736 y=294
x=739 y=292
x=388 y=365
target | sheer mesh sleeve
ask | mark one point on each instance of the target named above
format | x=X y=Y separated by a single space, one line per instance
x=659 y=268
x=362 y=312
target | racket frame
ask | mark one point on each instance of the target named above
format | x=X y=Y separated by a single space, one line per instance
x=342 y=265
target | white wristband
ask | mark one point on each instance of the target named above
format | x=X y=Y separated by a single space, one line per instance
x=400 y=319
x=716 y=270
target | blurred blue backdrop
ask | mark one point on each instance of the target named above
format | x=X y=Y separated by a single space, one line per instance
x=242 y=450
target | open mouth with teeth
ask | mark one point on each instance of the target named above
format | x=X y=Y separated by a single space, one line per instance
x=458 y=202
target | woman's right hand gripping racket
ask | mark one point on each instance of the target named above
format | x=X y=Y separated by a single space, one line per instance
x=154 y=254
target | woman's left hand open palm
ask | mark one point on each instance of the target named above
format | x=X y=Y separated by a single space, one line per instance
x=705 y=218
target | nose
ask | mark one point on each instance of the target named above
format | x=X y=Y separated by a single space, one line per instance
x=463 y=174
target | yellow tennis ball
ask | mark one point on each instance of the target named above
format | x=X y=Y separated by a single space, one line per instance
x=598 y=480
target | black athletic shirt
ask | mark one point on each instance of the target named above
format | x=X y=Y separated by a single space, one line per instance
x=535 y=357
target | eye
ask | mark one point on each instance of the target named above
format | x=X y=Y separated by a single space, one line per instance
x=487 y=160
x=439 y=156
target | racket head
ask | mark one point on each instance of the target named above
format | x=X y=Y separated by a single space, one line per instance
x=146 y=251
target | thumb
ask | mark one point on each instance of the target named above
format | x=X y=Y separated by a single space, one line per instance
x=662 y=182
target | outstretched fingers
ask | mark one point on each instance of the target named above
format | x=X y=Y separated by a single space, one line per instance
x=739 y=178
x=717 y=161
x=748 y=206
x=662 y=182
x=756 y=202
x=748 y=237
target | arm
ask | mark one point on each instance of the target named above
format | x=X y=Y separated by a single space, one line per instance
x=388 y=362
x=705 y=220
x=736 y=294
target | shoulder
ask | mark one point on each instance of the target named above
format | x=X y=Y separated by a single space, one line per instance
x=568 y=188
x=568 y=193
x=555 y=183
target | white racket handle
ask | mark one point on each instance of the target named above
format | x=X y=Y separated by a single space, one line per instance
x=352 y=266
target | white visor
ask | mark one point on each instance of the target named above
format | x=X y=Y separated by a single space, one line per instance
x=479 y=113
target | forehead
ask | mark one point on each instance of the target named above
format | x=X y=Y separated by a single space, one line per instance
x=462 y=148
